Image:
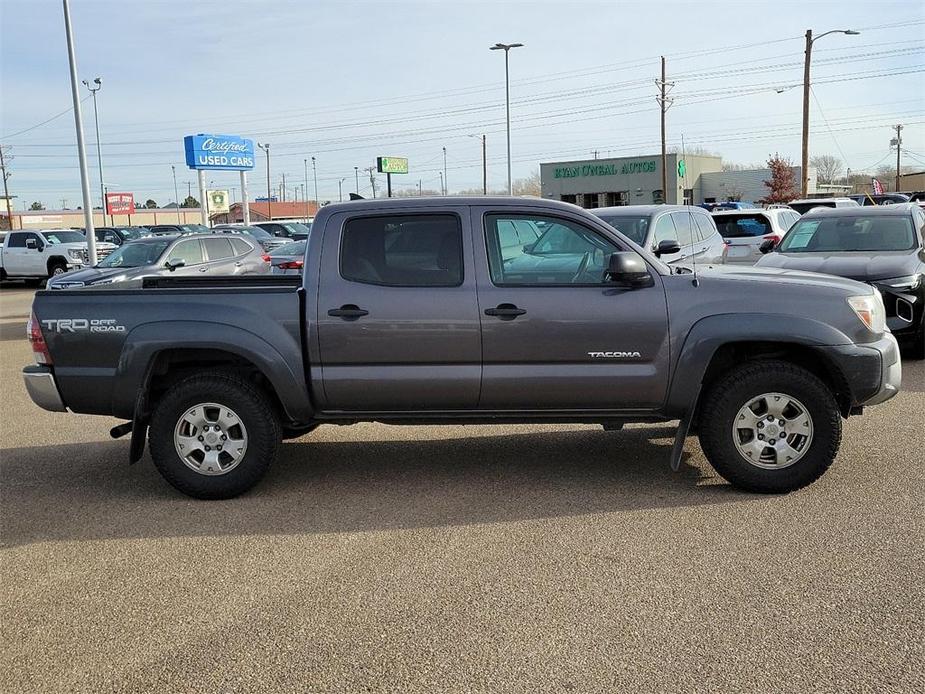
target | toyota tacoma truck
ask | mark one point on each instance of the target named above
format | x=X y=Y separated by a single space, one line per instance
x=421 y=311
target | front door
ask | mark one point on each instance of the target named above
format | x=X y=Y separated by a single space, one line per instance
x=397 y=317
x=190 y=251
x=555 y=334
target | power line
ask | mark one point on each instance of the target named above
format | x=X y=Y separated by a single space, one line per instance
x=39 y=125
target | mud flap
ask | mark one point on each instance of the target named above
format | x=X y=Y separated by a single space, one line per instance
x=139 y=437
x=681 y=435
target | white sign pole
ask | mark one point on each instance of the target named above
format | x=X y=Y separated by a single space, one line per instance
x=244 y=203
x=203 y=203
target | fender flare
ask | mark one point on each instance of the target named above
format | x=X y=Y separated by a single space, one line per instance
x=708 y=334
x=142 y=345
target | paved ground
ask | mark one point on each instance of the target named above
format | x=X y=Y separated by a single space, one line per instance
x=457 y=559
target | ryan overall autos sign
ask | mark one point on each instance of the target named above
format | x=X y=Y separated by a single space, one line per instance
x=221 y=152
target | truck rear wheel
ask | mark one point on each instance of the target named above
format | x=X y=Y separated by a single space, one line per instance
x=770 y=427
x=214 y=436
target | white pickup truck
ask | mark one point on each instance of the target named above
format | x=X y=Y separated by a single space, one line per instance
x=39 y=254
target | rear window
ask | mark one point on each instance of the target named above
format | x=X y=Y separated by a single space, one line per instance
x=217 y=249
x=240 y=246
x=741 y=226
x=634 y=227
x=804 y=207
x=403 y=251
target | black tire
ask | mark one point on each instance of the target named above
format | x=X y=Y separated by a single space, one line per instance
x=252 y=407
x=720 y=407
x=56 y=268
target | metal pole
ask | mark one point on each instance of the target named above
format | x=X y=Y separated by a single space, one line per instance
x=484 y=168
x=203 y=210
x=899 y=142
x=388 y=183
x=6 y=191
x=663 y=104
x=420 y=188
x=266 y=148
x=305 y=165
x=283 y=189
x=507 y=100
x=99 y=151
x=315 y=176
x=441 y=183
x=445 y=191
x=176 y=192
x=81 y=150
x=340 y=190
x=245 y=205
x=804 y=157
x=356 y=172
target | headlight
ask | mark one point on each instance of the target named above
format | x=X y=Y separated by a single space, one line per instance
x=869 y=309
x=909 y=283
x=75 y=253
x=110 y=280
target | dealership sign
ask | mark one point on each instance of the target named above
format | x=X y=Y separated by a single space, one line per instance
x=120 y=203
x=392 y=165
x=630 y=167
x=217 y=201
x=221 y=152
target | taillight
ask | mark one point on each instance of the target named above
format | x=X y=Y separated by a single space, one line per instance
x=265 y=257
x=291 y=265
x=39 y=348
x=773 y=237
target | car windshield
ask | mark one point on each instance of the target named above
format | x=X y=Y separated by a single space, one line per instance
x=634 y=227
x=256 y=232
x=300 y=228
x=130 y=233
x=804 y=207
x=295 y=248
x=135 y=254
x=194 y=228
x=56 y=237
x=849 y=234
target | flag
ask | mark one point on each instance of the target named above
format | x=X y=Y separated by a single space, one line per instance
x=877 y=186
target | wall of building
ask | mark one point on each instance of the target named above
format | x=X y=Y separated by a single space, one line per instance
x=747 y=186
x=65 y=219
x=623 y=180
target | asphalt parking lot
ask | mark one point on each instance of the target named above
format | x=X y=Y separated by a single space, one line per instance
x=457 y=559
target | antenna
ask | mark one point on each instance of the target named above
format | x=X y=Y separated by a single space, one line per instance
x=693 y=224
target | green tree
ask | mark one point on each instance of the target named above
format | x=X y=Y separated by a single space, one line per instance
x=781 y=187
x=150 y=204
x=36 y=206
x=190 y=202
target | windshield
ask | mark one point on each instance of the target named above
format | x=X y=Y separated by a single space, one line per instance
x=195 y=228
x=135 y=254
x=742 y=225
x=295 y=248
x=301 y=228
x=130 y=233
x=256 y=232
x=634 y=227
x=56 y=237
x=849 y=234
x=804 y=207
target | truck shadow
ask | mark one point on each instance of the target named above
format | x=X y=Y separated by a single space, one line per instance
x=89 y=492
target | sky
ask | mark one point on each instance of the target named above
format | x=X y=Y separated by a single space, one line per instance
x=345 y=82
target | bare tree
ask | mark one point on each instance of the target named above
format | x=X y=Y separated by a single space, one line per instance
x=732 y=166
x=827 y=167
x=529 y=185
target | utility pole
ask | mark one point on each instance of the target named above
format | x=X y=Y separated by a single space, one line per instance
x=420 y=188
x=595 y=152
x=99 y=151
x=484 y=168
x=441 y=183
x=63 y=203
x=340 y=189
x=283 y=189
x=315 y=175
x=81 y=149
x=266 y=149
x=305 y=179
x=356 y=172
x=372 y=179
x=899 y=143
x=664 y=102
x=444 y=172
x=6 y=190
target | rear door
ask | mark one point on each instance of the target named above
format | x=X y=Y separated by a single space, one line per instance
x=220 y=257
x=555 y=335
x=688 y=236
x=397 y=314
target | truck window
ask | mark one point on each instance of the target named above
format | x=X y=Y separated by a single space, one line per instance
x=403 y=250
x=189 y=251
x=18 y=240
x=566 y=253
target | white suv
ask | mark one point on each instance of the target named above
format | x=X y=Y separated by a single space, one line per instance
x=744 y=231
x=804 y=206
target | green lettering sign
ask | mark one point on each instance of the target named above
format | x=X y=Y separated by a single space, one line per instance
x=395 y=165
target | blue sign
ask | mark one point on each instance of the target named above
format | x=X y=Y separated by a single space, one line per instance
x=221 y=152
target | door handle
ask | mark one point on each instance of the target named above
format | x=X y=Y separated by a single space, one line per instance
x=505 y=311
x=203 y=269
x=238 y=264
x=348 y=312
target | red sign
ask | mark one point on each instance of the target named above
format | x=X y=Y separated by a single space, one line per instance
x=876 y=186
x=120 y=203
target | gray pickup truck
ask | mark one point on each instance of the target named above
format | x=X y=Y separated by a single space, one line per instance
x=408 y=312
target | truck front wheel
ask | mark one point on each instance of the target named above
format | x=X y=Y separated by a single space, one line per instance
x=214 y=436
x=770 y=427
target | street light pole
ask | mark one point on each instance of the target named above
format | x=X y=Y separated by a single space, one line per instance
x=81 y=149
x=305 y=173
x=176 y=193
x=99 y=152
x=315 y=176
x=804 y=159
x=506 y=47
x=444 y=172
x=356 y=172
x=266 y=148
x=340 y=189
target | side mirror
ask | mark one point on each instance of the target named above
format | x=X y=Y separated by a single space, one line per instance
x=666 y=247
x=30 y=243
x=174 y=264
x=628 y=270
x=767 y=246
x=528 y=248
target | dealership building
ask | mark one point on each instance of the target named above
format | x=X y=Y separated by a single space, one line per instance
x=692 y=179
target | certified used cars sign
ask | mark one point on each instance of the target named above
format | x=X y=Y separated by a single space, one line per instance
x=223 y=152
